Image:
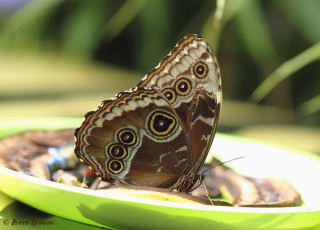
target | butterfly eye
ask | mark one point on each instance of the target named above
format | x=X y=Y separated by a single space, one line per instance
x=117 y=151
x=127 y=137
x=161 y=123
x=200 y=70
x=115 y=166
x=170 y=95
x=183 y=86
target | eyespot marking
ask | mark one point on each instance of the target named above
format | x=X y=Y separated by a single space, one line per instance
x=170 y=95
x=200 y=69
x=161 y=123
x=127 y=137
x=183 y=86
x=117 y=151
x=115 y=166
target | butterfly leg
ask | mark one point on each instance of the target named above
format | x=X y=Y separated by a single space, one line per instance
x=207 y=192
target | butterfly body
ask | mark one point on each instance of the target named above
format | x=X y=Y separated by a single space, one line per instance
x=159 y=133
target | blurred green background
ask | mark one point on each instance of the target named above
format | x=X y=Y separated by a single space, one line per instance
x=62 y=57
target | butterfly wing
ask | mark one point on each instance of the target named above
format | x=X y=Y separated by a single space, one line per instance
x=135 y=138
x=189 y=77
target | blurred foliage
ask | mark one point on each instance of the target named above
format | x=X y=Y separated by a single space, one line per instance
x=268 y=50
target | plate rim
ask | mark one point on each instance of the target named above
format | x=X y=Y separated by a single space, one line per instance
x=69 y=122
x=164 y=204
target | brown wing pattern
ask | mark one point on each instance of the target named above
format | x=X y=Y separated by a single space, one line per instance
x=159 y=133
x=135 y=138
x=189 y=77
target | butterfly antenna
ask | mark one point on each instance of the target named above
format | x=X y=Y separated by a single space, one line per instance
x=222 y=163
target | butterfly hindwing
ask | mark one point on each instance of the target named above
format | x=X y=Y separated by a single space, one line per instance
x=136 y=133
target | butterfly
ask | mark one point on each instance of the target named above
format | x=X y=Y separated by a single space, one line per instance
x=159 y=133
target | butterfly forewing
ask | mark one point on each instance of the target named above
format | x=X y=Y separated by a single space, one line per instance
x=189 y=77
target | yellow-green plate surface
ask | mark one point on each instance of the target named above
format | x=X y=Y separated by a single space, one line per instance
x=301 y=169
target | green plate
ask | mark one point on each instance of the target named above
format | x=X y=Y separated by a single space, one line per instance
x=301 y=169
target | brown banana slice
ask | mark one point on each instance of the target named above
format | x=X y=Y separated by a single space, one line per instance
x=157 y=194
